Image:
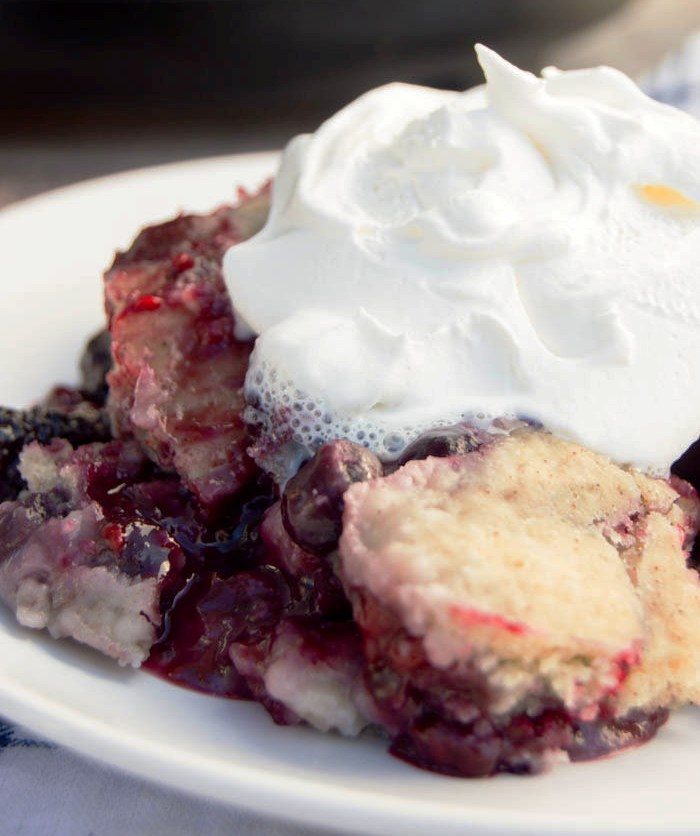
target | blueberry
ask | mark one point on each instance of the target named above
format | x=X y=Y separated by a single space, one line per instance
x=94 y=365
x=443 y=441
x=312 y=504
x=245 y=608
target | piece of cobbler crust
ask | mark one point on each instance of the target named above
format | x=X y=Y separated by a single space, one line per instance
x=178 y=369
x=306 y=667
x=68 y=566
x=308 y=672
x=536 y=571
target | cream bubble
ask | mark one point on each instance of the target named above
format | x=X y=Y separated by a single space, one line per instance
x=527 y=248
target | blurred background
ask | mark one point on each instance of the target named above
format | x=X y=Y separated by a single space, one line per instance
x=95 y=87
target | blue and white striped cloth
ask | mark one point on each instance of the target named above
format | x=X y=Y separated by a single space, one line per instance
x=48 y=790
x=677 y=80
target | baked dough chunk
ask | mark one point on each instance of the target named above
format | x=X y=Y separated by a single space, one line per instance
x=78 y=557
x=528 y=576
x=176 y=383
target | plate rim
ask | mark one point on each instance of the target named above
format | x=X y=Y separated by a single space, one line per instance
x=257 y=789
x=101 y=180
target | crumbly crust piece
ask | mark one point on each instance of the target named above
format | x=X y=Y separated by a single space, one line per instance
x=530 y=562
x=178 y=369
x=73 y=565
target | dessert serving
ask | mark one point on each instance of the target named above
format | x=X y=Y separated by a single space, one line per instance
x=402 y=443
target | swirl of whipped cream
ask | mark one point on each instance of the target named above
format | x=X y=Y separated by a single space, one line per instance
x=526 y=249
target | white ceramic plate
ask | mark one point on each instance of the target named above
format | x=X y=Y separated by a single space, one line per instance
x=52 y=250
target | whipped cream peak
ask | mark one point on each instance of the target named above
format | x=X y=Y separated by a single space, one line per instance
x=530 y=248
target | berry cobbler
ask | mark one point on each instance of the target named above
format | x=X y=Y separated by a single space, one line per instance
x=402 y=441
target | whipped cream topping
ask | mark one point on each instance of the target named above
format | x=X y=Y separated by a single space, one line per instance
x=527 y=249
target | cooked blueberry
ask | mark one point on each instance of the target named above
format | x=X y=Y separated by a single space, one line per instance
x=444 y=441
x=595 y=739
x=450 y=748
x=312 y=504
x=172 y=324
x=94 y=365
